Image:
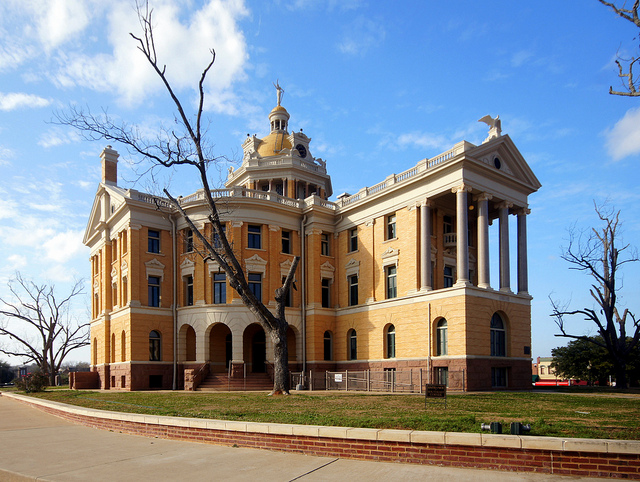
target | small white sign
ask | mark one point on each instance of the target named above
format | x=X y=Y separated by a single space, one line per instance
x=338 y=377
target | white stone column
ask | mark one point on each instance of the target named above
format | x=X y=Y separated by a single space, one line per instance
x=523 y=279
x=505 y=273
x=484 y=276
x=462 y=235
x=425 y=245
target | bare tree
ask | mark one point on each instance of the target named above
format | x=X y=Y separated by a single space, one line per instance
x=187 y=144
x=632 y=84
x=39 y=324
x=598 y=255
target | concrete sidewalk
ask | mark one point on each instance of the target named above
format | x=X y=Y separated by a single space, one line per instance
x=38 y=446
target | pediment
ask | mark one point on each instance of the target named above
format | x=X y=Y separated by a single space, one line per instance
x=154 y=264
x=186 y=264
x=256 y=264
x=503 y=157
x=94 y=224
x=352 y=264
x=390 y=253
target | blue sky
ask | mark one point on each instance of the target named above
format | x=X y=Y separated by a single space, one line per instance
x=376 y=85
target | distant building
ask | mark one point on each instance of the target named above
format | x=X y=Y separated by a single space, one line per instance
x=395 y=276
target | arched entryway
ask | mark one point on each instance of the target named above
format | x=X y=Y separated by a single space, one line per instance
x=255 y=348
x=220 y=347
x=190 y=339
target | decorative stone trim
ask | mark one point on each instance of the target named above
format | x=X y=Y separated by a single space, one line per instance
x=327 y=270
x=255 y=264
x=549 y=455
x=155 y=268
x=187 y=268
x=352 y=268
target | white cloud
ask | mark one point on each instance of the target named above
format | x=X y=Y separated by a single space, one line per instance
x=5 y=155
x=423 y=140
x=58 y=137
x=64 y=246
x=361 y=35
x=17 y=100
x=60 y=20
x=182 y=45
x=16 y=262
x=623 y=139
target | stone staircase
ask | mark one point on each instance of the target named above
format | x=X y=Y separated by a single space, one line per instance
x=218 y=382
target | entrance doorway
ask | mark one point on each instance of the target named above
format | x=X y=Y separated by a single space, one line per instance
x=258 y=352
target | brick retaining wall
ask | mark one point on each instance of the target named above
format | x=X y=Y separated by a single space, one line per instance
x=550 y=455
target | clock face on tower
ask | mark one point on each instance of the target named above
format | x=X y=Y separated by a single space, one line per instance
x=301 y=150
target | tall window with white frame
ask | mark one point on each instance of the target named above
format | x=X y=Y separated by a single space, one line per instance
x=188 y=290
x=286 y=242
x=326 y=293
x=219 y=288
x=353 y=239
x=155 y=346
x=328 y=346
x=324 y=244
x=498 y=336
x=353 y=290
x=154 y=291
x=254 y=240
x=441 y=338
x=352 y=340
x=391 y=341
x=392 y=285
x=448 y=276
x=153 y=244
x=255 y=284
x=217 y=243
x=391 y=226
x=188 y=241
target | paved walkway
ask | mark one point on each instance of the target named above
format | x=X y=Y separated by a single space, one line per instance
x=38 y=446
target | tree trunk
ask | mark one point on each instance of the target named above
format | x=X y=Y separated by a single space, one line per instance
x=620 y=370
x=281 y=382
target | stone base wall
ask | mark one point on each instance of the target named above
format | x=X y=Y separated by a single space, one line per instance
x=548 y=455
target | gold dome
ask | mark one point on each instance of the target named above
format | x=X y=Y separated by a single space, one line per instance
x=274 y=143
x=278 y=108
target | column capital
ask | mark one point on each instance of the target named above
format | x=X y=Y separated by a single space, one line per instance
x=461 y=188
x=505 y=204
x=483 y=196
x=427 y=203
x=523 y=211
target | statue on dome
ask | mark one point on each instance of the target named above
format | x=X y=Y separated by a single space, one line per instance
x=279 y=91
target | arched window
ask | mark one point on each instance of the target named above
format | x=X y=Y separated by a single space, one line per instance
x=123 y=345
x=391 y=341
x=113 y=348
x=498 y=336
x=441 y=338
x=154 y=346
x=328 y=346
x=352 y=340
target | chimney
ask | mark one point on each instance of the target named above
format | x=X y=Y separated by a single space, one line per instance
x=109 y=166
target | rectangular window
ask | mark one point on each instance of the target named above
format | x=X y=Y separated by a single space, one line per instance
x=448 y=276
x=442 y=376
x=324 y=244
x=353 y=239
x=447 y=224
x=353 y=290
x=255 y=233
x=255 y=284
x=154 y=241
x=219 y=289
x=391 y=226
x=217 y=243
x=392 y=287
x=188 y=241
x=188 y=291
x=286 y=242
x=154 y=291
x=326 y=293
x=499 y=377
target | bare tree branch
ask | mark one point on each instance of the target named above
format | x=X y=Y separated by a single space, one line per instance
x=599 y=257
x=36 y=313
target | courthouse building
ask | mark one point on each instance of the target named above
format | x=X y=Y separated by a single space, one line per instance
x=393 y=277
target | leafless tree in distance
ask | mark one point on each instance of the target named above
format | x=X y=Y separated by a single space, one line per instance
x=39 y=325
x=601 y=254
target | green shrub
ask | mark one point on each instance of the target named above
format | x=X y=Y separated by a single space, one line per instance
x=33 y=382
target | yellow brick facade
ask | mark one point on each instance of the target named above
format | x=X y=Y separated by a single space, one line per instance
x=160 y=306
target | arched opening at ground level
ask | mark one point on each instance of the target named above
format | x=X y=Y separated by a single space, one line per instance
x=255 y=348
x=220 y=348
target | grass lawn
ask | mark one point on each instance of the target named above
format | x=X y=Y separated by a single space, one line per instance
x=584 y=414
